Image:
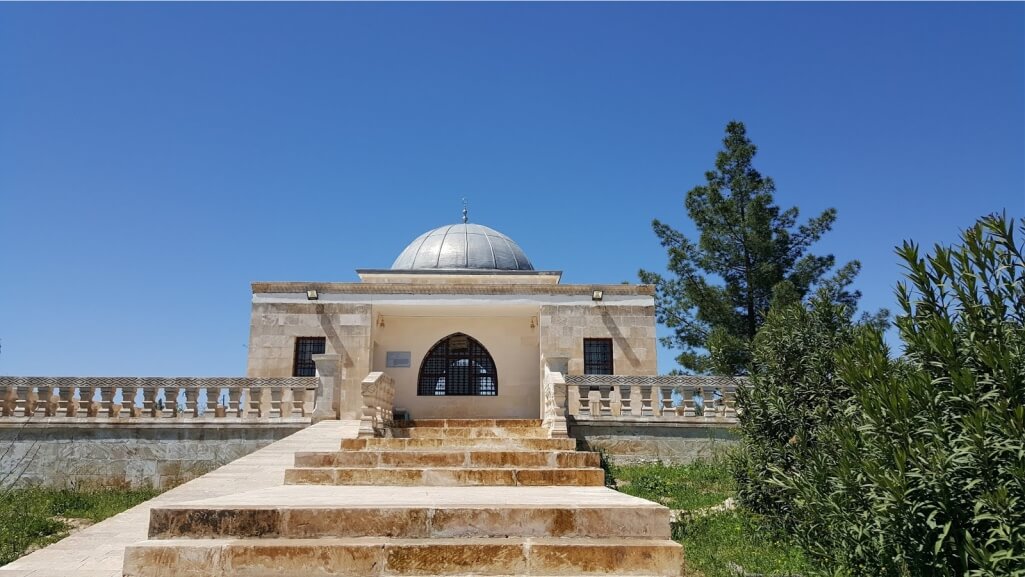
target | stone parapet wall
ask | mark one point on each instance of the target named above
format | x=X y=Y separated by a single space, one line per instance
x=632 y=442
x=153 y=454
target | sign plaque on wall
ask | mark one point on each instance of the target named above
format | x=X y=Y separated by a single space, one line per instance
x=397 y=359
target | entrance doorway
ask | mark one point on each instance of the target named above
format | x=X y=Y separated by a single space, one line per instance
x=458 y=365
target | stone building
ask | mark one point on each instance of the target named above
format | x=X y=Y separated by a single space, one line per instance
x=461 y=321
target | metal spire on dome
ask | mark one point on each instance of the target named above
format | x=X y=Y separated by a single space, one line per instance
x=466 y=218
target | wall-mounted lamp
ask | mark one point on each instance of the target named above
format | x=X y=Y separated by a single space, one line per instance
x=311 y=295
x=532 y=323
x=380 y=320
x=596 y=295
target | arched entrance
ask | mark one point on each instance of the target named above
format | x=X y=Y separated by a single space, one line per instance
x=458 y=365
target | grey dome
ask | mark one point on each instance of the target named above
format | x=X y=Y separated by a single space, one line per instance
x=462 y=246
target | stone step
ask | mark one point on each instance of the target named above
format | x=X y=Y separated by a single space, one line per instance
x=453 y=458
x=307 y=511
x=470 y=433
x=499 y=444
x=377 y=556
x=509 y=423
x=408 y=522
x=444 y=476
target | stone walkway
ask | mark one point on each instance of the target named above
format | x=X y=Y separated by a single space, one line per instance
x=99 y=550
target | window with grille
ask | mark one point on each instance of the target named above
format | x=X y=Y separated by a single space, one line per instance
x=305 y=348
x=598 y=356
x=458 y=365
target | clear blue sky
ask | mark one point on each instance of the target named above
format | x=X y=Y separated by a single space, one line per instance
x=157 y=158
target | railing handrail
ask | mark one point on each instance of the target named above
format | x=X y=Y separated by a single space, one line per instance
x=660 y=380
x=112 y=398
x=159 y=382
x=687 y=398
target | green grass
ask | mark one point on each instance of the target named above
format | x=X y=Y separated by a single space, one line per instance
x=28 y=517
x=712 y=541
x=694 y=486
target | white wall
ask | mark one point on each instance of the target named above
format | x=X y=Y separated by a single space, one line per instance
x=513 y=345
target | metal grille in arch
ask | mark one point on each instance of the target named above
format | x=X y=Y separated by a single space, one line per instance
x=458 y=365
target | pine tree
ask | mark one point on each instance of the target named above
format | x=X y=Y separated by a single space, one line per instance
x=755 y=248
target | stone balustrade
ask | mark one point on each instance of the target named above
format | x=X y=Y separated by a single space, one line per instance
x=378 y=391
x=695 y=399
x=151 y=398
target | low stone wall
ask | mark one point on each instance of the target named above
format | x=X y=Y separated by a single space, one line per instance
x=636 y=441
x=158 y=454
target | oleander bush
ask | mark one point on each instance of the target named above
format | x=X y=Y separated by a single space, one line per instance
x=793 y=394
x=923 y=471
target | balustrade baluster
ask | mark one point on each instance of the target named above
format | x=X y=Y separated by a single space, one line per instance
x=688 y=401
x=191 y=401
x=52 y=400
x=594 y=402
x=171 y=400
x=264 y=408
x=149 y=401
x=31 y=400
x=245 y=400
x=113 y=408
x=73 y=404
x=287 y=402
x=213 y=395
x=234 y=401
x=708 y=402
x=86 y=393
x=729 y=397
x=573 y=398
x=66 y=396
x=309 y=399
x=128 y=401
x=655 y=400
x=636 y=401
x=304 y=401
x=10 y=400
x=615 y=401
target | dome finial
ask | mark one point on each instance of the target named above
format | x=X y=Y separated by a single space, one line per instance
x=465 y=217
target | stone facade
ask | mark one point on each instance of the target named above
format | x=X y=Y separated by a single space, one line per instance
x=631 y=328
x=522 y=325
x=274 y=328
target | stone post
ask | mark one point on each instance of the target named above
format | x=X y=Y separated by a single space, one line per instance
x=559 y=421
x=328 y=373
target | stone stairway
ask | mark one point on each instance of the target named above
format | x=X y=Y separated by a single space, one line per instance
x=481 y=497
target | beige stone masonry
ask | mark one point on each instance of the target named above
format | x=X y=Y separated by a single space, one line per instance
x=542 y=516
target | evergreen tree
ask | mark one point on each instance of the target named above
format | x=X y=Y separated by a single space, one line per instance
x=756 y=249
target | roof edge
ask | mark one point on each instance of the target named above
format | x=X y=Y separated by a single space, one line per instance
x=412 y=288
x=458 y=271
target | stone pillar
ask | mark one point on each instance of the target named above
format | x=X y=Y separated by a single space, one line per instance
x=328 y=372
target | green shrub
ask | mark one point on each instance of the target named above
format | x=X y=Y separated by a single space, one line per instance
x=924 y=474
x=793 y=394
